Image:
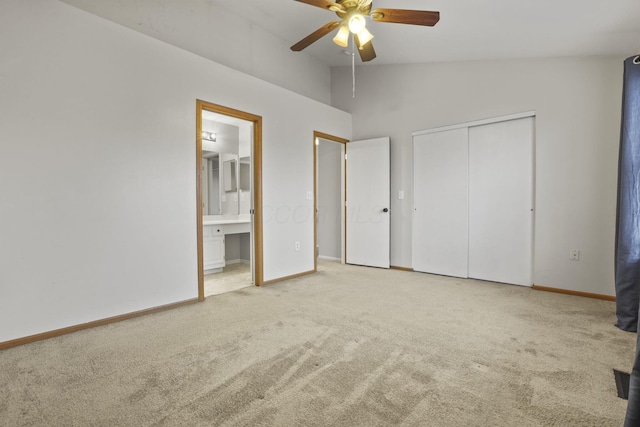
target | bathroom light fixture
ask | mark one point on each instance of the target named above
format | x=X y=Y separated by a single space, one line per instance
x=209 y=136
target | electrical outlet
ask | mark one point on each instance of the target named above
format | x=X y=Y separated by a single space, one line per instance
x=297 y=246
x=574 y=254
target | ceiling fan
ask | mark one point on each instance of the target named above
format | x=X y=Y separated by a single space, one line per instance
x=352 y=14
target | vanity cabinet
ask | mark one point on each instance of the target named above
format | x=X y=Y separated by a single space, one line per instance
x=213 y=248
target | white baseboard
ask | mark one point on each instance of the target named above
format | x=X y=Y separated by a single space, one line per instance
x=237 y=261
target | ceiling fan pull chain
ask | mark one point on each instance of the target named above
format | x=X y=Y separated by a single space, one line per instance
x=353 y=67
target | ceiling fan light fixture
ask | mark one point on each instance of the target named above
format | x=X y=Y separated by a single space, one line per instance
x=357 y=23
x=353 y=16
x=342 y=38
x=364 y=37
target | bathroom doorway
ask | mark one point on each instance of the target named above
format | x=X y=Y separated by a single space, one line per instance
x=329 y=177
x=229 y=199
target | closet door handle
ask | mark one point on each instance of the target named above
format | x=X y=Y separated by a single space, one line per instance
x=385 y=210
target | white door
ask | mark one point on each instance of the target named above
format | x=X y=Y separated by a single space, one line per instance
x=368 y=198
x=501 y=201
x=440 y=218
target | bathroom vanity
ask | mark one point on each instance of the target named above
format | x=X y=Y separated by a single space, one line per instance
x=214 y=230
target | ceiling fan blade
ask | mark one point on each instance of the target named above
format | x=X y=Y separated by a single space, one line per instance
x=325 y=4
x=315 y=36
x=367 y=53
x=401 y=16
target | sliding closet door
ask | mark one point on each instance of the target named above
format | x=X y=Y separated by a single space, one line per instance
x=440 y=172
x=501 y=201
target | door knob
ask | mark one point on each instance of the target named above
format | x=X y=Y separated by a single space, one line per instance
x=385 y=210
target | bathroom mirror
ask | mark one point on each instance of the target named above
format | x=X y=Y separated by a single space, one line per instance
x=220 y=194
x=230 y=176
x=226 y=174
x=211 y=197
x=245 y=174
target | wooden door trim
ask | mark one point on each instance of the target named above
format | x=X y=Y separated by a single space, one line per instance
x=321 y=135
x=75 y=328
x=257 y=187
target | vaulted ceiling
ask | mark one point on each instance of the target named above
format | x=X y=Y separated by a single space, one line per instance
x=468 y=29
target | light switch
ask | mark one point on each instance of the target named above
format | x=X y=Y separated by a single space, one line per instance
x=574 y=255
x=400 y=195
x=309 y=195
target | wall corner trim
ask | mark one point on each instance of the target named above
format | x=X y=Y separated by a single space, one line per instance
x=397 y=267
x=574 y=293
x=293 y=276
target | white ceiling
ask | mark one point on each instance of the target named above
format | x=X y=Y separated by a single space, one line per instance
x=468 y=29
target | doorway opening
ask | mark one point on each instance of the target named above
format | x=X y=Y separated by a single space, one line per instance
x=229 y=198
x=329 y=197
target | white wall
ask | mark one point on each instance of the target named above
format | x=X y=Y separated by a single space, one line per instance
x=221 y=36
x=330 y=198
x=245 y=247
x=578 y=103
x=102 y=221
x=232 y=248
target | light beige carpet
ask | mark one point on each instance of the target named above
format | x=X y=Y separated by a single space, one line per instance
x=349 y=346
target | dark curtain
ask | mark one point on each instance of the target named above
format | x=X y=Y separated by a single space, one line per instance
x=627 y=263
